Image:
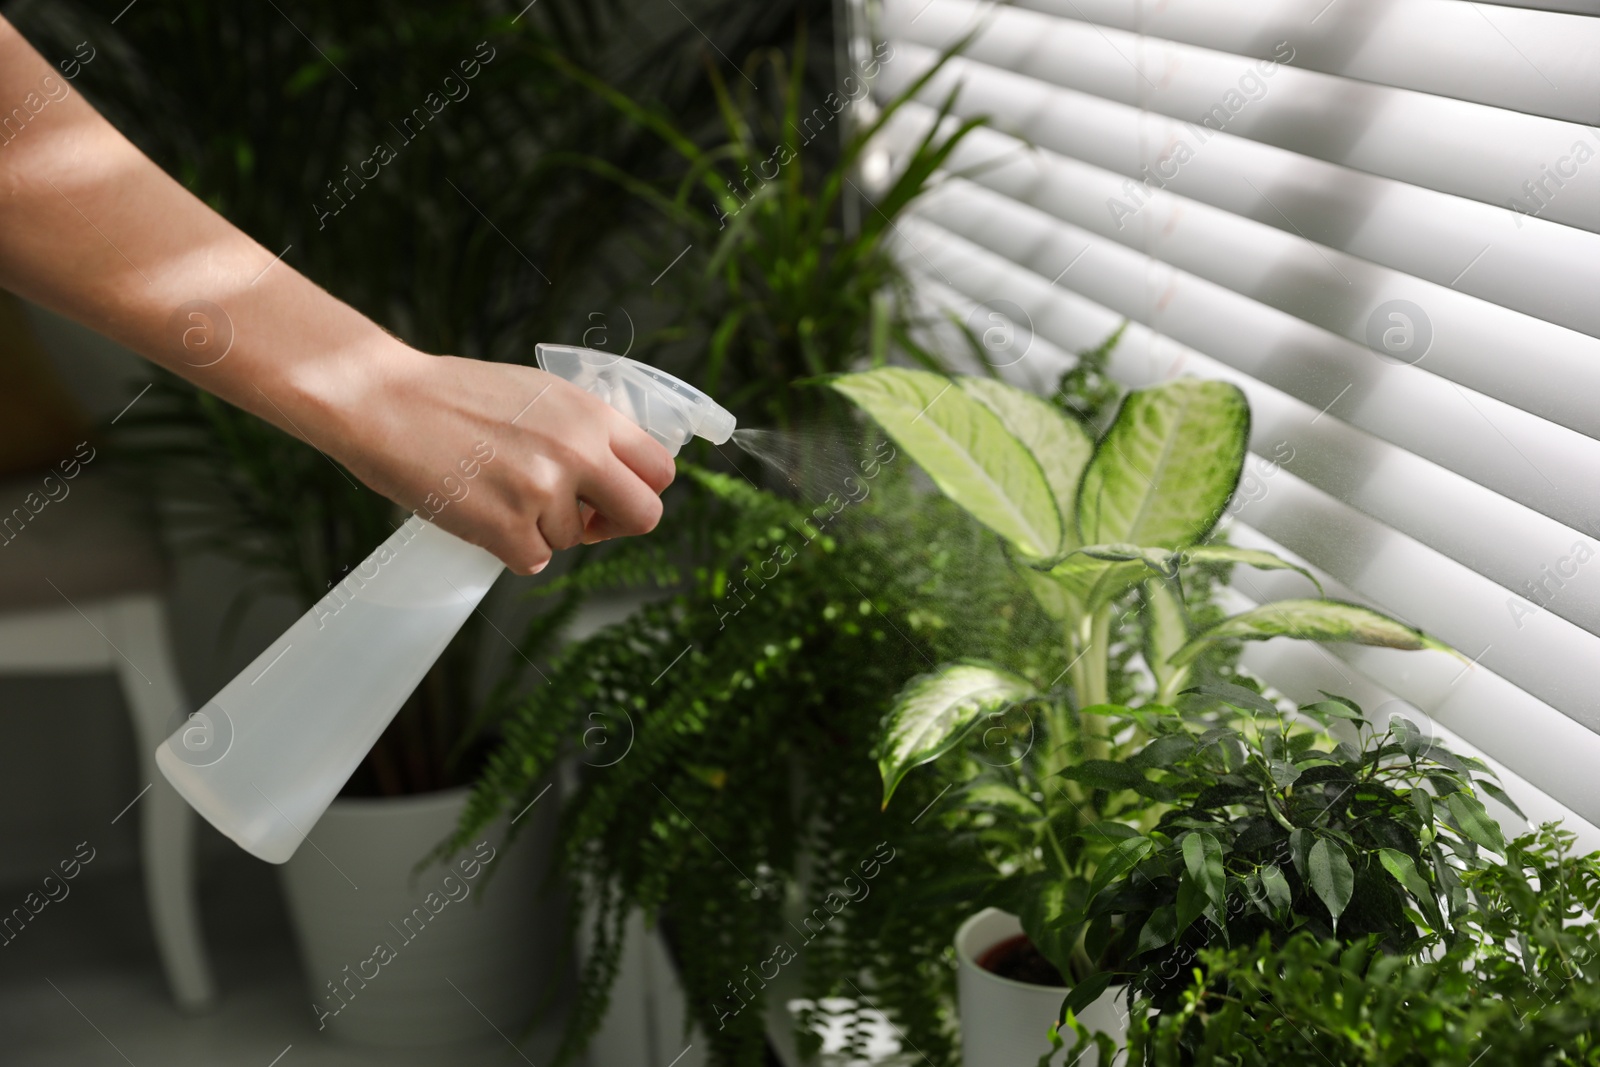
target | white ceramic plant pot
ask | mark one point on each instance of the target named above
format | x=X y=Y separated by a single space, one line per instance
x=1006 y=1023
x=393 y=956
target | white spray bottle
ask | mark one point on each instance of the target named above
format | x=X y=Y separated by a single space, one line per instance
x=264 y=758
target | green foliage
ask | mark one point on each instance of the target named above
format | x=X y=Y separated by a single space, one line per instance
x=967 y=450
x=728 y=728
x=1269 y=828
x=475 y=238
x=268 y=127
x=1523 y=990
x=1312 y=620
x=1163 y=473
x=1086 y=391
x=788 y=269
x=1157 y=482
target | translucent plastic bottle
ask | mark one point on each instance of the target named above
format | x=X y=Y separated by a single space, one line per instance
x=264 y=758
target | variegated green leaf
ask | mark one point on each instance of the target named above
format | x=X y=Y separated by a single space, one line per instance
x=987 y=793
x=1060 y=444
x=1092 y=583
x=1250 y=557
x=935 y=711
x=1166 y=629
x=1312 y=620
x=1053 y=595
x=1164 y=472
x=966 y=449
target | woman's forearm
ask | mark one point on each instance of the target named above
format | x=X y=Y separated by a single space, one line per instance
x=94 y=230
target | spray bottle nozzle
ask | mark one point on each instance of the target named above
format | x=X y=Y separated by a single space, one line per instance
x=670 y=410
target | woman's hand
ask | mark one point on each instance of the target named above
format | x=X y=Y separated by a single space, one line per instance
x=94 y=230
x=499 y=455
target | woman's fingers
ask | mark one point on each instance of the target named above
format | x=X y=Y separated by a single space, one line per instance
x=642 y=454
x=620 y=496
x=530 y=553
x=561 y=525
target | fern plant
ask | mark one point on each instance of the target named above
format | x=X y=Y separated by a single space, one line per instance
x=724 y=732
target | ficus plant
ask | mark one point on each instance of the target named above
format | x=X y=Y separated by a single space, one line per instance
x=1523 y=989
x=1106 y=532
x=1270 y=827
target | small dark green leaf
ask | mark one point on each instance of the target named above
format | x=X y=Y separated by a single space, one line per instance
x=1202 y=857
x=1121 y=859
x=1404 y=870
x=1084 y=994
x=1163 y=751
x=1276 y=886
x=1499 y=794
x=1322 y=711
x=1237 y=695
x=1409 y=736
x=1423 y=803
x=1283 y=774
x=1437 y=753
x=1445 y=784
x=1474 y=821
x=1111 y=775
x=1159 y=929
x=1330 y=876
x=1191 y=902
x=1255 y=894
x=1351 y=706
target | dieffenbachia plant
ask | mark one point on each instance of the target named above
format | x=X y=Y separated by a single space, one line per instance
x=1092 y=522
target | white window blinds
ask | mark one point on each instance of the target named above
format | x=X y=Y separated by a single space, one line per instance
x=1381 y=219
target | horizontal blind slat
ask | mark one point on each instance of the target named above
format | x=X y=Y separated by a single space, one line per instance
x=1517 y=455
x=1527 y=264
x=1543 y=654
x=1472 y=150
x=1556 y=368
x=1541 y=564
x=1542 y=62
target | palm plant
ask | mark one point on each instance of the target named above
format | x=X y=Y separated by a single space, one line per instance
x=780 y=286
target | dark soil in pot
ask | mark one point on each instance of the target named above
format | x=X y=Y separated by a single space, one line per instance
x=1016 y=958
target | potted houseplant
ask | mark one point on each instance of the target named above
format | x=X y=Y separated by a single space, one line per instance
x=1105 y=531
x=724 y=731
x=1269 y=827
x=1520 y=985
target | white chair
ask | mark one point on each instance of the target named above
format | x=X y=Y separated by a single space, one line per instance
x=81 y=586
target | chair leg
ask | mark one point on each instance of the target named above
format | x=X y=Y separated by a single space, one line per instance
x=155 y=696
